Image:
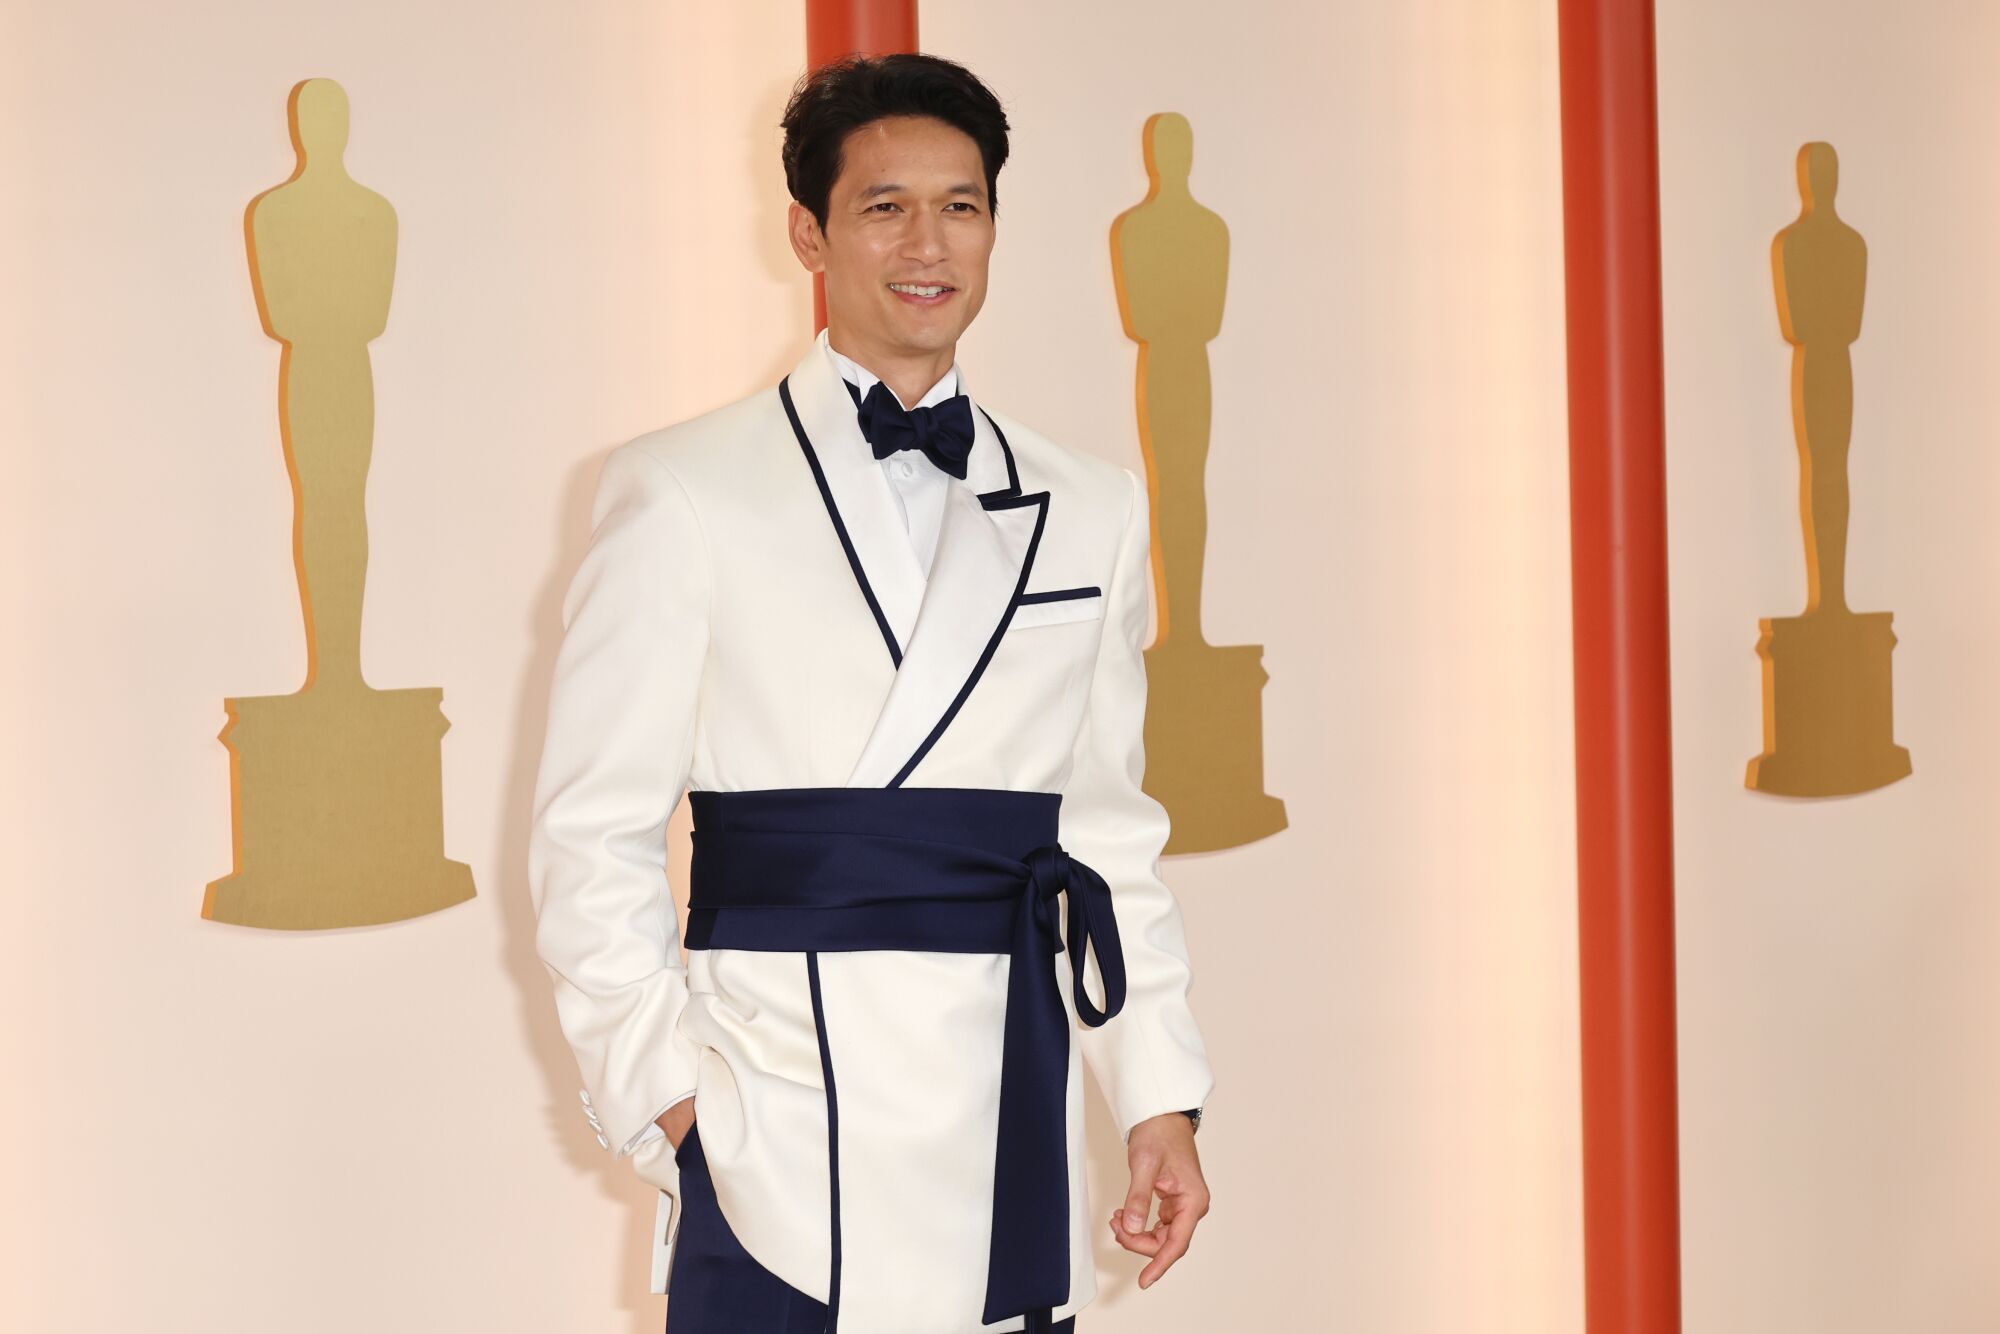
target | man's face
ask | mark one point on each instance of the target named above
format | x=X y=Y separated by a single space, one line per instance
x=909 y=210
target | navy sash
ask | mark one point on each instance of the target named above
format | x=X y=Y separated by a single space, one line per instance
x=966 y=870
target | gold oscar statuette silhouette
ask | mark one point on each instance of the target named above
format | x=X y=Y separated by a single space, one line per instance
x=1204 y=716
x=1827 y=698
x=337 y=789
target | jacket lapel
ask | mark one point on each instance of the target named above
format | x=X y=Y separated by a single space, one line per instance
x=940 y=632
x=857 y=495
x=987 y=547
x=982 y=559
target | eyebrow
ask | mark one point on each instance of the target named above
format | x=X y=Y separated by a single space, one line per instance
x=890 y=187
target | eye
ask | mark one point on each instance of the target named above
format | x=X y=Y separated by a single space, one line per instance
x=885 y=204
x=971 y=208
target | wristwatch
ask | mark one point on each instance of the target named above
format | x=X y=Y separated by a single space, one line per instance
x=1193 y=1114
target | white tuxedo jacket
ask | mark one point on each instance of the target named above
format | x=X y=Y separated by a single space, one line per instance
x=750 y=615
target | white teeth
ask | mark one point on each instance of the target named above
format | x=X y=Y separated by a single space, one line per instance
x=915 y=291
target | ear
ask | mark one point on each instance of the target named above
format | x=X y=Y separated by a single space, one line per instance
x=808 y=241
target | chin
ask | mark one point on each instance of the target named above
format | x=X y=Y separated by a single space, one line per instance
x=930 y=338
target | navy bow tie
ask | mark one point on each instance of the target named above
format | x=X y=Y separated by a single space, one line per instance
x=943 y=432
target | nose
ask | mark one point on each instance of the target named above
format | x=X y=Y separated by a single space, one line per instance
x=925 y=239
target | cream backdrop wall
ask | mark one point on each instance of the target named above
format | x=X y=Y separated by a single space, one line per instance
x=214 y=1129
x=1840 y=1086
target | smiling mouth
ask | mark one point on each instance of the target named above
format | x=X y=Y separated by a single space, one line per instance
x=923 y=294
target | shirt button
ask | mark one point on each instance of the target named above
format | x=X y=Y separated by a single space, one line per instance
x=903 y=468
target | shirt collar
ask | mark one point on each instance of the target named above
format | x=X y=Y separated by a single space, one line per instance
x=864 y=379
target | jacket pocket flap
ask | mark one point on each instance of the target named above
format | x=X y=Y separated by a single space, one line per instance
x=1056 y=606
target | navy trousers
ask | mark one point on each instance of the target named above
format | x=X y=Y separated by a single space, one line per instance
x=714 y=1286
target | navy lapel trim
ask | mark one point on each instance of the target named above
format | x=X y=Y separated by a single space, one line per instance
x=840 y=527
x=1007 y=450
x=992 y=500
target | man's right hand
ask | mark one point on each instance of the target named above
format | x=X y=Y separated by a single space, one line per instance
x=676 y=1121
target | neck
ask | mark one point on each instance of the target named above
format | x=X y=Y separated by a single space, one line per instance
x=909 y=375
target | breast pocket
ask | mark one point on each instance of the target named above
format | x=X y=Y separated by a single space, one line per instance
x=1057 y=606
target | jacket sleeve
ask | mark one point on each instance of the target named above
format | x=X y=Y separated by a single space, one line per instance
x=621 y=722
x=1149 y=1057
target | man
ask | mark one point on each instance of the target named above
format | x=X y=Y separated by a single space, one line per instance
x=891 y=640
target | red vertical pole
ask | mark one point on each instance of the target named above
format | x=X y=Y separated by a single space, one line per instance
x=1624 y=774
x=836 y=28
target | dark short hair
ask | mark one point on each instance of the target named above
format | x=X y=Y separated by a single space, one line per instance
x=833 y=101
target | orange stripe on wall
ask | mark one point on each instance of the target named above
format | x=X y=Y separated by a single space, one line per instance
x=1624 y=769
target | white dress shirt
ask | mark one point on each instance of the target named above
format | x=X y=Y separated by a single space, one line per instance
x=918 y=483
x=919 y=486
